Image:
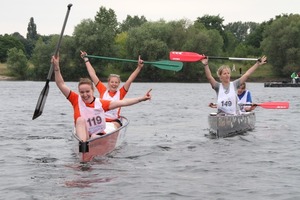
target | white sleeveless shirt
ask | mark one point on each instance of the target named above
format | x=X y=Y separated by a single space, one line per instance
x=227 y=99
x=94 y=117
x=112 y=114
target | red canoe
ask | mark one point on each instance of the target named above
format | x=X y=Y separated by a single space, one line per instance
x=101 y=146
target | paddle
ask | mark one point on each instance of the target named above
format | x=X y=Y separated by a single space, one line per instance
x=42 y=98
x=271 y=105
x=162 y=64
x=194 y=57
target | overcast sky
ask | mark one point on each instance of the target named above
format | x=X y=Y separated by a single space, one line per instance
x=49 y=15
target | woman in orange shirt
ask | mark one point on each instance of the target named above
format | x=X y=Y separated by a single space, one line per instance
x=89 y=111
x=112 y=91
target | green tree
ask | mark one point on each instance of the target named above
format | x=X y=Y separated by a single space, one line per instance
x=41 y=59
x=141 y=40
x=32 y=36
x=241 y=30
x=150 y=41
x=282 y=43
x=131 y=22
x=178 y=34
x=204 y=41
x=120 y=42
x=31 y=30
x=108 y=19
x=72 y=65
x=212 y=22
x=8 y=42
x=232 y=44
x=95 y=39
x=89 y=38
x=248 y=36
x=17 y=63
x=255 y=37
x=28 y=46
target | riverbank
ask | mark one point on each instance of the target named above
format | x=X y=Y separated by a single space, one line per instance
x=262 y=75
x=4 y=73
x=6 y=78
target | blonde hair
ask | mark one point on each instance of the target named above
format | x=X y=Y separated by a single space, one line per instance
x=86 y=81
x=113 y=75
x=220 y=70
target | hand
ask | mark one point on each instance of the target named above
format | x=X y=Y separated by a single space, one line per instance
x=253 y=106
x=205 y=61
x=262 y=60
x=212 y=105
x=83 y=55
x=140 y=62
x=147 y=96
x=55 y=62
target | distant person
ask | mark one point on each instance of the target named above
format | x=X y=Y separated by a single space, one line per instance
x=233 y=68
x=112 y=91
x=294 y=76
x=89 y=111
x=227 y=102
x=244 y=96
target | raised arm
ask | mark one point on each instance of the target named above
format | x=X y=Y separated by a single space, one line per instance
x=134 y=74
x=208 y=75
x=90 y=68
x=261 y=61
x=129 y=101
x=58 y=77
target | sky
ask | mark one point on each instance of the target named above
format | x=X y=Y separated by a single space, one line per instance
x=49 y=15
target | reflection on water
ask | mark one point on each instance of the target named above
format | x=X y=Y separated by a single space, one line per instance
x=82 y=183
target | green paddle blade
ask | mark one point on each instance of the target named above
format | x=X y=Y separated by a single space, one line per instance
x=168 y=65
x=163 y=64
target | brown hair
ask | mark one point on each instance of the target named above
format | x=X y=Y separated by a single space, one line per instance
x=243 y=86
x=86 y=81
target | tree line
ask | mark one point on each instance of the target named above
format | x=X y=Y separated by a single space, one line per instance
x=29 y=58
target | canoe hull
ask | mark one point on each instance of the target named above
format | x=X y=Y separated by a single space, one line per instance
x=231 y=125
x=101 y=146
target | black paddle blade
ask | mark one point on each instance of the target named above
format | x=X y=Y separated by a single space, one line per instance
x=41 y=102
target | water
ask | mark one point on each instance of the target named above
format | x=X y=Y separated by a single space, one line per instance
x=165 y=156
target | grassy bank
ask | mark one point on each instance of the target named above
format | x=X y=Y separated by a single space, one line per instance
x=3 y=69
x=4 y=73
x=264 y=73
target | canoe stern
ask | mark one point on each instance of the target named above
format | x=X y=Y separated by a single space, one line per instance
x=102 y=145
x=230 y=125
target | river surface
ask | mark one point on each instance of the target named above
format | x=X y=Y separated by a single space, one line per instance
x=165 y=155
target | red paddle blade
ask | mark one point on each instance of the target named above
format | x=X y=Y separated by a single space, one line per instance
x=186 y=56
x=275 y=105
